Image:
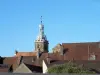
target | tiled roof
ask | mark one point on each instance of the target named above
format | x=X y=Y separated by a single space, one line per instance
x=72 y=51
x=5 y=68
x=55 y=56
x=33 y=60
x=9 y=60
x=29 y=59
x=81 y=51
x=26 y=54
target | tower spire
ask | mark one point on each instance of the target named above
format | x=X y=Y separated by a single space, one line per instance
x=41 y=43
x=41 y=19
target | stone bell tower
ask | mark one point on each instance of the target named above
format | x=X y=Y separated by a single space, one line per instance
x=41 y=43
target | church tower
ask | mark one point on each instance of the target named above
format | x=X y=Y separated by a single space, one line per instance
x=41 y=43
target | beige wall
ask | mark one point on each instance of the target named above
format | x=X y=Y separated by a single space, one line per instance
x=57 y=48
x=44 y=67
x=22 y=69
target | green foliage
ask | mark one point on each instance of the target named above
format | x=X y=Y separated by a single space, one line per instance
x=68 y=68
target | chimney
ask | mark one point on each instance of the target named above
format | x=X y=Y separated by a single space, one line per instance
x=16 y=52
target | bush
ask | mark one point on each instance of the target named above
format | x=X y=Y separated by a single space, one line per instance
x=69 y=68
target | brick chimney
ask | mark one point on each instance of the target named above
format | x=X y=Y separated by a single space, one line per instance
x=16 y=52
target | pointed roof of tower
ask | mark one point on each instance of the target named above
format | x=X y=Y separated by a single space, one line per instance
x=41 y=37
x=41 y=19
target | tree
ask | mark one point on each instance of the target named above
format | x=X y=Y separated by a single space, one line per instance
x=69 y=67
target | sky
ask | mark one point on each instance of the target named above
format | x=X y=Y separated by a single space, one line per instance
x=65 y=21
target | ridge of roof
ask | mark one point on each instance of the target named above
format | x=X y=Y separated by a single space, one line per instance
x=81 y=42
x=26 y=54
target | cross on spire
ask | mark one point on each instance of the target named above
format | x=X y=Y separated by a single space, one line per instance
x=41 y=19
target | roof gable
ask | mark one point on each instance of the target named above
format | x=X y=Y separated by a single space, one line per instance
x=22 y=69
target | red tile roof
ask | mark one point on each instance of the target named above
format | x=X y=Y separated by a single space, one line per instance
x=81 y=51
x=4 y=70
x=9 y=60
x=4 y=67
x=26 y=54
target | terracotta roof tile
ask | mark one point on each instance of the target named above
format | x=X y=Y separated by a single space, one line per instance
x=5 y=68
x=9 y=60
x=26 y=54
x=81 y=51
